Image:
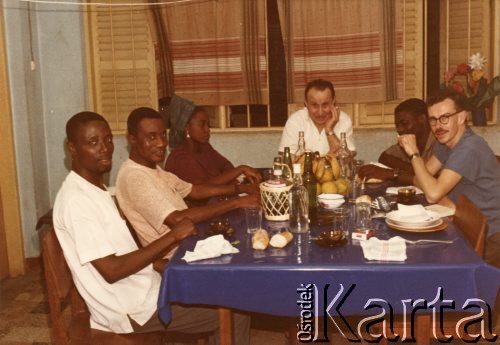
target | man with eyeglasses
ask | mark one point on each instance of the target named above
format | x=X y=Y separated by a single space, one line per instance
x=466 y=163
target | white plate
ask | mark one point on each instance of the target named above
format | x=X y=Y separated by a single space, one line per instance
x=413 y=226
x=432 y=219
x=439 y=227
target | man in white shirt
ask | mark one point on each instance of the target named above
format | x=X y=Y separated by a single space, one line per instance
x=115 y=278
x=321 y=121
x=151 y=198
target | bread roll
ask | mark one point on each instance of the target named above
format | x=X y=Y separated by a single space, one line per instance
x=260 y=239
x=281 y=239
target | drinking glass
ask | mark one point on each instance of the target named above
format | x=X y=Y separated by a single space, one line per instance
x=355 y=190
x=253 y=216
x=341 y=220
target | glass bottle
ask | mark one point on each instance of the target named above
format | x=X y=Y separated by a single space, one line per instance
x=298 y=201
x=277 y=178
x=309 y=181
x=301 y=147
x=287 y=160
x=345 y=158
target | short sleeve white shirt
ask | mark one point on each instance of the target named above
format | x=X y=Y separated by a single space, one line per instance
x=88 y=227
x=147 y=196
x=315 y=140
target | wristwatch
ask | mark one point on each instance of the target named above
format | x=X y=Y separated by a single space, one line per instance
x=395 y=174
x=330 y=133
x=414 y=155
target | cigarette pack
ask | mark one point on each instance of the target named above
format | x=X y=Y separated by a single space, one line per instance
x=362 y=234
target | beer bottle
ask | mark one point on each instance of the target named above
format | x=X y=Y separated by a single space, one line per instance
x=298 y=202
x=287 y=159
x=310 y=182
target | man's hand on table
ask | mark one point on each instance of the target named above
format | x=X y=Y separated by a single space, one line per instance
x=183 y=229
x=251 y=174
x=249 y=188
x=160 y=264
x=251 y=200
x=372 y=171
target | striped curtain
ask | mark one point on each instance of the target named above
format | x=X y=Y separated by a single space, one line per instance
x=357 y=44
x=212 y=52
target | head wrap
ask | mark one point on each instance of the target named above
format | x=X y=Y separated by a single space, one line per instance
x=179 y=111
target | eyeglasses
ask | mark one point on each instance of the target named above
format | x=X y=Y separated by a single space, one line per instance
x=443 y=119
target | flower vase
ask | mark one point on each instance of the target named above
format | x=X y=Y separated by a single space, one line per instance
x=479 y=117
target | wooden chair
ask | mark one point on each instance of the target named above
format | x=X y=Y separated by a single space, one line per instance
x=471 y=223
x=61 y=291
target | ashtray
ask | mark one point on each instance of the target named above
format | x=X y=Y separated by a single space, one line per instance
x=222 y=227
x=331 y=239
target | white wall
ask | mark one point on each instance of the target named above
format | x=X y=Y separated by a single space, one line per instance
x=259 y=149
x=43 y=100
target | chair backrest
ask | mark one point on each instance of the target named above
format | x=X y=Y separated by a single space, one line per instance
x=471 y=222
x=60 y=288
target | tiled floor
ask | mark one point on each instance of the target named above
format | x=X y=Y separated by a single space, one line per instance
x=24 y=310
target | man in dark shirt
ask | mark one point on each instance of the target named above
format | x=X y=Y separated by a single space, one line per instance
x=410 y=118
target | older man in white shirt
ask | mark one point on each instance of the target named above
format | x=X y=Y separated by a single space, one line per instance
x=321 y=121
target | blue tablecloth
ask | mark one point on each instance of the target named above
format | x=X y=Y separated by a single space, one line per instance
x=267 y=281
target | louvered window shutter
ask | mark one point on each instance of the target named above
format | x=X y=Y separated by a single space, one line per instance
x=382 y=113
x=121 y=62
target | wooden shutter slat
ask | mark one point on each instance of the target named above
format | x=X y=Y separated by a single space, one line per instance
x=122 y=62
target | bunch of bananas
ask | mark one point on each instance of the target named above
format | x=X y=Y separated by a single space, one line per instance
x=326 y=168
x=327 y=172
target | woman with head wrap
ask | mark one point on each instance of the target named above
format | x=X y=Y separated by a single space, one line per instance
x=193 y=159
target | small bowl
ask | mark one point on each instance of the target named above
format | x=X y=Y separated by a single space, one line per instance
x=330 y=201
x=406 y=195
x=331 y=239
x=222 y=227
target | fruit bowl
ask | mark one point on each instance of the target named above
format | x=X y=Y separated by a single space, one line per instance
x=330 y=201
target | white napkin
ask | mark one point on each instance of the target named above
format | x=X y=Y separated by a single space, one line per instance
x=393 y=249
x=411 y=213
x=443 y=211
x=211 y=247
x=394 y=190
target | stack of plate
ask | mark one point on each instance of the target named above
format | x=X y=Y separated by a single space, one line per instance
x=426 y=221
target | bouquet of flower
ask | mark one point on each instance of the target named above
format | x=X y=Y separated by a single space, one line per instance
x=477 y=90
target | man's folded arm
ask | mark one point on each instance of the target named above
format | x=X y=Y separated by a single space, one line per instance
x=116 y=267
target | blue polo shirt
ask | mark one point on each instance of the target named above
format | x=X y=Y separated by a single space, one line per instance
x=473 y=159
